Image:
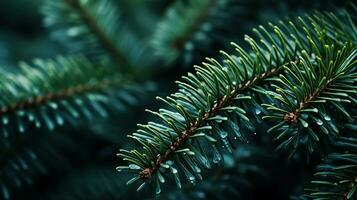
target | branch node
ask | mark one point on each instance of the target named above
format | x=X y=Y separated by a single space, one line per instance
x=291 y=118
x=145 y=174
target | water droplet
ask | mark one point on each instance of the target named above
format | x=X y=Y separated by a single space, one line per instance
x=304 y=123
x=192 y=178
x=217 y=157
x=223 y=134
x=134 y=167
x=327 y=118
x=227 y=145
x=174 y=171
x=258 y=111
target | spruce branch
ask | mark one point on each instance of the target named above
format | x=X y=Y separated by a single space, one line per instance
x=335 y=177
x=193 y=126
x=58 y=95
x=103 y=38
x=191 y=26
x=53 y=91
x=209 y=109
x=311 y=94
x=91 y=27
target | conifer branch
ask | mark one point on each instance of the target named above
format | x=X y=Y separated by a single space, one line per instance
x=335 y=178
x=179 y=42
x=302 y=106
x=199 y=122
x=104 y=39
x=69 y=86
x=93 y=28
x=191 y=26
x=210 y=101
x=59 y=95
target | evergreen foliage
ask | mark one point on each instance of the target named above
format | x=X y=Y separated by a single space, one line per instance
x=311 y=103
x=54 y=91
x=230 y=180
x=196 y=26
x=91 y=27
x=335 y=176
x=210 y=109
x=267 y=115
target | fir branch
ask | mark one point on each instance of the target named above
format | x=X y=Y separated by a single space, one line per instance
x=335 y=178
x=54 y=90
x=191 y=26
x=192 y=128
x=205 y=9
x=104 y=39
x=90 y=27
x=59 y=95
x=211 y=100
x=304 y=97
